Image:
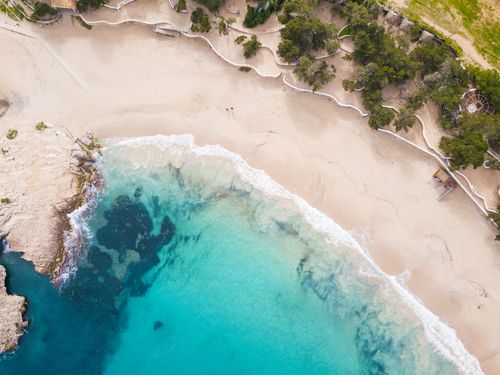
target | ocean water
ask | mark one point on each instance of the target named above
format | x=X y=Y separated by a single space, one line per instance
x=195 y=263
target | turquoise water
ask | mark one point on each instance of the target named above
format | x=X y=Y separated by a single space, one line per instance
x=190 y=269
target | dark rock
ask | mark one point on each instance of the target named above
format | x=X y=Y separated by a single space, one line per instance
x=158 y=324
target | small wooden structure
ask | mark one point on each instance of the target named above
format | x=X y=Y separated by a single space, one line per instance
x=444 y=178
x=63 y=4
x=441 y=176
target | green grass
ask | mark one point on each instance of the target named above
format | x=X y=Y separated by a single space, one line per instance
x=474 y=18
x=345 y=31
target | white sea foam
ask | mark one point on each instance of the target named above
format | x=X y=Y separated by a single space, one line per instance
x=442 y=337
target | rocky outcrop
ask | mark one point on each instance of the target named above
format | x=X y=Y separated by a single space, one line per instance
x=37 y=182
x=12 y=308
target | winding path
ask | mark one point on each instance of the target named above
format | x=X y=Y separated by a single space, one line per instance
x=431 y=150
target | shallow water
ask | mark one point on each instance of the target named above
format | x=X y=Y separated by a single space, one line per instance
x=192 y=270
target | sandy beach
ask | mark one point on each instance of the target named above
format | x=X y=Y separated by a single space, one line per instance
x=127 y=81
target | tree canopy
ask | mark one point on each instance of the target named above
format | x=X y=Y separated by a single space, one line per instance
x=200 y=21
x=301 y=35
x=467 y=148
x=315 y=73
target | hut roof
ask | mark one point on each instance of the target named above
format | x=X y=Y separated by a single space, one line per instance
x=442 y=176
x=63 y=4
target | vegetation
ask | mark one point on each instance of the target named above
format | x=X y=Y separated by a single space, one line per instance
x=467 y=148
x=380 y=117
x=212 y=5
x=346 y=31
x=245 y=69
x=405 y=120
x=181 y=6
x=496 y=219
x=5 y=200
x=240 y=39
x=83 y=23
x=41 y=10
x=315 y=73
x=223 y=25
x=84 y=5
x=464 y=17
x=200 y=21
x=11 y=134
x=41 y=126
x=15 y=12
x=258 y=15
x=302 y=35
x=488 y=83
x=251 y=46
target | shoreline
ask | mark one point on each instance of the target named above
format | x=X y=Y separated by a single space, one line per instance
x=250 y=137
x=438 y=334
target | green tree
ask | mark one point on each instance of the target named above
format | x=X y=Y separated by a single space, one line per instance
x=307 y=34
x=288 y=51
x=380 y=117
x=41 y=10
x=486 y=125
x=405 y=120
x=332 y=46
x=467 y=148
x=315 y=73
x=251 y=46
x=416 y=101
x=223 y=25
x=212 y=5
x=200 y=21
x=84 y=5
x=430 y=56
x=488 y=83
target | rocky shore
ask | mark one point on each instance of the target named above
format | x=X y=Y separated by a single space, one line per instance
x=12 y=324
x=45 y=171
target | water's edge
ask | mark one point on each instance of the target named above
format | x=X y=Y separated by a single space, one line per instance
x=442 y=337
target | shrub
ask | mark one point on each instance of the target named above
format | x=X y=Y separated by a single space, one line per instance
x=380 y=117
x=41 y=10
x=84 y=5
x=301 y=35
x=223 y=25
x=41 y=126
x=200 y=21
x=240 y=39
x=332 y=46
x=467 y=148
x=251 y=46
x=181 y=5
x=11 y=134
x=315 y=73
x=488 y=83
x=405 y=120
x=260 y=14
x=212 y=5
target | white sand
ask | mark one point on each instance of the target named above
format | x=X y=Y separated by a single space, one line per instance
x=137 y=83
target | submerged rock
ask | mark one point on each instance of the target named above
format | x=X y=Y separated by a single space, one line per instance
x=158 y=324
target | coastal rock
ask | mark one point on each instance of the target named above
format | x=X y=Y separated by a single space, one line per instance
x=37 y=183
x=11 y=316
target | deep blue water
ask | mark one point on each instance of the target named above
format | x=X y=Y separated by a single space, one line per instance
x=182 y=276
